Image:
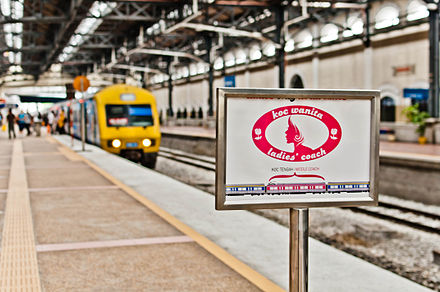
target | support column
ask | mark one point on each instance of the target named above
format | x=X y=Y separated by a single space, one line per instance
x=210 y=60
x=433 y=102
x=368 y=52
x=279 y=39
x=315 y=60
x=170 y=112
x=368 y=68
x=315 y=68
x=247 y=77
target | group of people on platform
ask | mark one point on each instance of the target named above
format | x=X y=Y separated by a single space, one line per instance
x=53 y=121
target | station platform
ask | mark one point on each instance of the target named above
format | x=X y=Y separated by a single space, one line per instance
x=76 y=220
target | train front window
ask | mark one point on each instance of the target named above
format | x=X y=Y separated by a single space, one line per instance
x=140 y=115
x=125 y=115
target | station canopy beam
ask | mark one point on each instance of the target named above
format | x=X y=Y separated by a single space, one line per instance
x=231 y=32
x=137 y=68
x=165 y=53
x=132 y=11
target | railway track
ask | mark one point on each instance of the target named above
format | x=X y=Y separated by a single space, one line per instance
x=417 y=215
x=187 y=158
x=399 y=214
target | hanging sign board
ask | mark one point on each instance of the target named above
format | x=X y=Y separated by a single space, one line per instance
x=230 y=81
x=285 y=148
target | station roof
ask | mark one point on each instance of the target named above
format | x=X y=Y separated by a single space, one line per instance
x=145 y=36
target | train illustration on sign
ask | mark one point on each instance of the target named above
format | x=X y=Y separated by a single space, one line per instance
x=297 y=188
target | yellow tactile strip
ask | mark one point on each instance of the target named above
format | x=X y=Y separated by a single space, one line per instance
x=18 y=259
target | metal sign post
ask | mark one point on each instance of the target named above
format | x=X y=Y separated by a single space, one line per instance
x=81 y=83
x=83 y=120
x=296 y=149
x=299 y=250
x=83 y=127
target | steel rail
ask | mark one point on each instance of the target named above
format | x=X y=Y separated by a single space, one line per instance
x=397 y=220
x=183 y=159
x=410 y=210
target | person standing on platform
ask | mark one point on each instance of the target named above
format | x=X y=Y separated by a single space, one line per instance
x=11 y=123
x=37 y=124
x=60 y=123
x=27 y=123
x=50 y=118
x=21 y=123
x=2 y=122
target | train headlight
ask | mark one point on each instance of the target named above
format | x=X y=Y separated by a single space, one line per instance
x=116 y=143
x=146 y=142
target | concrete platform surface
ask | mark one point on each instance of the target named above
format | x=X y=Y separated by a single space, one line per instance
x=66 y=225
x=258 y=242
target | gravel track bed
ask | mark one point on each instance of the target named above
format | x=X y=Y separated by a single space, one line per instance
x=394 y=247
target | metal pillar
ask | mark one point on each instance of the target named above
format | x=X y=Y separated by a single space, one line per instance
x=83 y=126
x=208 y=40
x=279 y=39
x=368 y=52
x=433 y=102
x=366 y=40
x=83 y=117
x=170 y=90
x=299 y=250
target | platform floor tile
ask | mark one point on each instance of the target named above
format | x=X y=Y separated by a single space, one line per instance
x=82 y=175
x=92 y=215
x=5 y=148
x=34 y=144
x=4 y=179
x=163 y=267
x=36 y=159
x=18 y=259
x=5 y=162
x=2 y=212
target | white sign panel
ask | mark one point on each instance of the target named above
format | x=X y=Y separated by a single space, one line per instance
x=296 y=148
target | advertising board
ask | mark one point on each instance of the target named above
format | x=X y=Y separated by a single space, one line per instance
x=296 y=148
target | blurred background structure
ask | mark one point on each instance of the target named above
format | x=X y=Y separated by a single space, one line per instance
x=183 y=50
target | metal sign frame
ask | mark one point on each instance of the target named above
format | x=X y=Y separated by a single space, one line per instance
x=224 y=94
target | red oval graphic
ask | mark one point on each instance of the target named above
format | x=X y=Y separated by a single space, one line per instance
x=294 y=135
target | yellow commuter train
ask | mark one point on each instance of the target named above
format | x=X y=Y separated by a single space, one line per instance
x=121 y=119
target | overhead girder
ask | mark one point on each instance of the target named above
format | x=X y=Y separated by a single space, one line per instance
x=165 y=53
x=137 y=68
x=25 y=49
x=43 y=19
x=129 y=11
x=101 y=41
x=82 y=58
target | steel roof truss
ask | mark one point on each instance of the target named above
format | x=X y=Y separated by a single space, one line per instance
x=101 y=41
x=129 y=11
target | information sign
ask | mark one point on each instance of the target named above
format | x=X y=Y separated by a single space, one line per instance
x=81 y=83
x=230 y=81
x=296 y=148
x=416 y=93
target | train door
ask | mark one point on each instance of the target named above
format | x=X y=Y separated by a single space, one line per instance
x=89 y=121
x=92 y=131
x=76 y=108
